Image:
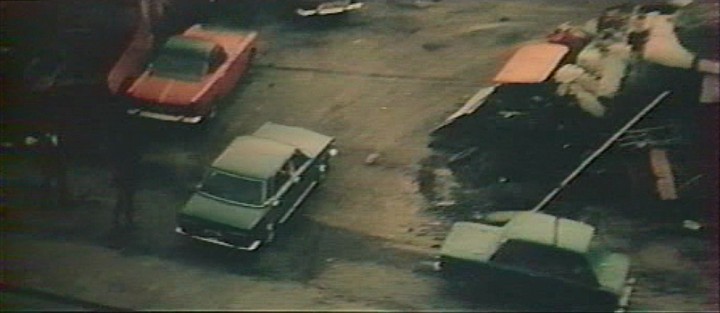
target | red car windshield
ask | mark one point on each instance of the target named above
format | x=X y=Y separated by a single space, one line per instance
x=179 y=66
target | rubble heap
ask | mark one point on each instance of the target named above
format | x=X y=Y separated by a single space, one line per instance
x=528 y=135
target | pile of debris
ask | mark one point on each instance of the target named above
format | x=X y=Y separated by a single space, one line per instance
x=554 y=102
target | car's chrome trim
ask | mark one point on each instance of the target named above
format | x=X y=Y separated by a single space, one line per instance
x=328 y=11
x=624 y=300
x=165 y=117
x=252 y=247
x=437 y=266
x=298 y=202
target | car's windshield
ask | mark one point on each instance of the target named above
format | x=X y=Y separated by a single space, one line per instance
x=233 y=188
x=182 y=66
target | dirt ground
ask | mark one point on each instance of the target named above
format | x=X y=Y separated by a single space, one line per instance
x=379 y=80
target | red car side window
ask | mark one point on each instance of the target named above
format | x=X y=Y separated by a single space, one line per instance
x=217 y=58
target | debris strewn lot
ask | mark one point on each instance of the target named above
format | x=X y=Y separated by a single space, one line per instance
x=532 y=136
x=380 y=79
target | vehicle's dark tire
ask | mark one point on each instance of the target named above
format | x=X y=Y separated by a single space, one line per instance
x=208 y=119
x=212 y=113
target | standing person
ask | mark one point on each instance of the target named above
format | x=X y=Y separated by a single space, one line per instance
x=126 y=159
x=50 y=155
x=125 y=179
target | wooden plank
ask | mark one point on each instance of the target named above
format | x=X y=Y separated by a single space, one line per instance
x=661 y=168
x=710 y=92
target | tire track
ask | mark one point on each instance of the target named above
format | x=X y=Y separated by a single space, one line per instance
x=76 y=303
x=445 y=80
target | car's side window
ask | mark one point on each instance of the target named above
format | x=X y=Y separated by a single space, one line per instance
x=217 y=58
x=298 y=160
x=288 y=170
x=282 y=177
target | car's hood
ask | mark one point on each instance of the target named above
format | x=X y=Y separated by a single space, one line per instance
x=471 y=242
x=238 y=216
x=612 y=270
x=166 y=91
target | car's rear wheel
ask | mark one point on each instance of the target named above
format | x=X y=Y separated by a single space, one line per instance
x=253 y=54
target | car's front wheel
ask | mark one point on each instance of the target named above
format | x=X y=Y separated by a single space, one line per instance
x=208 y=118
x=212 y=113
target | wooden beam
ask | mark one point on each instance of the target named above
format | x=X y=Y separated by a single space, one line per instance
x=661 y=168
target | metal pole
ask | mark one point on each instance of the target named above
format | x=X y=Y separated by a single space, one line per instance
x=550 y=196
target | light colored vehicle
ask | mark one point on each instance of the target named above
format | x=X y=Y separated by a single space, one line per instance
x=321 y=7
x=256 y=184
x=538 y=256
x=190 y=72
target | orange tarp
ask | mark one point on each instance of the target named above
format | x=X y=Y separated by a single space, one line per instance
x=532 y=63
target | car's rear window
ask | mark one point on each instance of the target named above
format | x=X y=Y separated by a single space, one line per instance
x=548 y=261
x=233 y=188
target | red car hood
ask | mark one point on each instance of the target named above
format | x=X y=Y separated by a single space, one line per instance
x=166 y=91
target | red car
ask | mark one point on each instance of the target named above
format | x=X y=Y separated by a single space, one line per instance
x=190 y=72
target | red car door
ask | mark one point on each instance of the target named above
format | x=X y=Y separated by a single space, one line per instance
x=239 y=67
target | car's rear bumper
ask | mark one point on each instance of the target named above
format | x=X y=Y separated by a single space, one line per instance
x=189 y=119
x=624 y=299
x=329 y=8
x=252 y=246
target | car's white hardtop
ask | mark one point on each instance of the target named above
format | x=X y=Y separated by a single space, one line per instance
x=471 y=241
x=254 y=157
x=550 y=230
x=309 y=142
x=479 y=242
x=262 y=154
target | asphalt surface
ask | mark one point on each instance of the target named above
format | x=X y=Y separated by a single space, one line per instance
x=379 y=80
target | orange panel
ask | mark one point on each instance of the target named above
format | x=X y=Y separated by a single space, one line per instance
x=532 y=63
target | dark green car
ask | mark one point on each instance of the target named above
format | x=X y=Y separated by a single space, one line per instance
x=254 y=185
x=540 y=257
